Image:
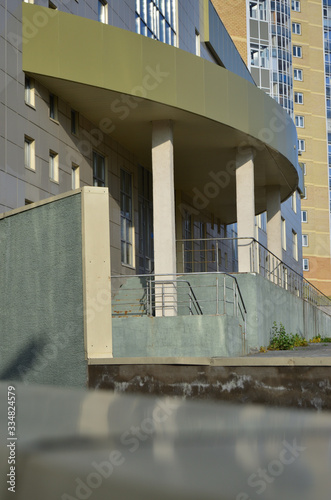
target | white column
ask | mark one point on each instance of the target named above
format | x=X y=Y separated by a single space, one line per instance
x=245 y=209
x=274 y=233
x=164 y=214
x=274 y=221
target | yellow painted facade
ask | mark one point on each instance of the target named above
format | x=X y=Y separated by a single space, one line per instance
x=314 y=133
x=233 y=15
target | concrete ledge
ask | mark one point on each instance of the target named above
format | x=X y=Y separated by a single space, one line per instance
x=282 y=386
x=204 y=361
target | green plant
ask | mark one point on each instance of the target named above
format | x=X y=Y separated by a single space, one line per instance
x=282 y=341
x=326 y=339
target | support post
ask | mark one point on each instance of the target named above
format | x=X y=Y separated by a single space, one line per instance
x=245 y=207
x=274 y=221
x=164 y=214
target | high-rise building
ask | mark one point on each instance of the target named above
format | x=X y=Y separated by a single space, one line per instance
x=310 y=85
x=286 y=45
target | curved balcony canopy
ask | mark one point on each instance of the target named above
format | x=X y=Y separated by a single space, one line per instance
x=123 y=82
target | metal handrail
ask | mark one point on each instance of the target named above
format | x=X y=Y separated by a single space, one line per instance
x=174 y=282
x=250 y=242
x=241 y=305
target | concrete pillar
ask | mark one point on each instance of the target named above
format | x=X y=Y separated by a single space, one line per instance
x=179 y=233
x=164 y=214
x=245 y=210
x=274 y=221
x=274 y=233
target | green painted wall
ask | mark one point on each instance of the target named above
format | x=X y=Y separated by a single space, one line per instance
x=266 y=302
x=41 y=295
x=212 y=335
x=177 y=336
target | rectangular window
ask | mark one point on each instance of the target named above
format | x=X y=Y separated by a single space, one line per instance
x=295 y=245
x=305 y=240
x=301 y=145
x=74 y=176
x=103 y=11
x=298 y=97
x=53 y=107
x=304 y=168
x=157 y=19
x=258 y=10
x=296 y=28
x=296 y=6
x=54 y=166
x=297 y=51
x=74 y=122
x=298 y=74
x=51 y=5
x=305 y=264
x=304 y=193
x=304 y=216
x=29 y=153
x=283 y=234
x=29 y=1
x=294 y=202
x=99 y=170
x=299 y=121
x=29 y=94
x=126 y=219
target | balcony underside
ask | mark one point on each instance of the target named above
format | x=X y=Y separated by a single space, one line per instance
x=122 y=82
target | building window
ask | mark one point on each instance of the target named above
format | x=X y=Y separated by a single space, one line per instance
x=296 y=28
x=298 y=74
x=258 y=10
x=29 y=94
x=283 y=234
x=304 y=169
x=297 y=51
x=296 y=6
x=305 y=264
x=299 y=121
x=103 y=11
x=304 y=216
x=53 y=107
x=29 y=153
x=157 y=19
x=99 y=170
x=51 y=5
x=259 y=55
x=126 y=219
x=298 y=97
x=29 y=1
x=53 y=166
x=304 y=193
x=74 y=122
x=301 y=145
x=305 y=240
x=75 y=176
x=295 y=245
